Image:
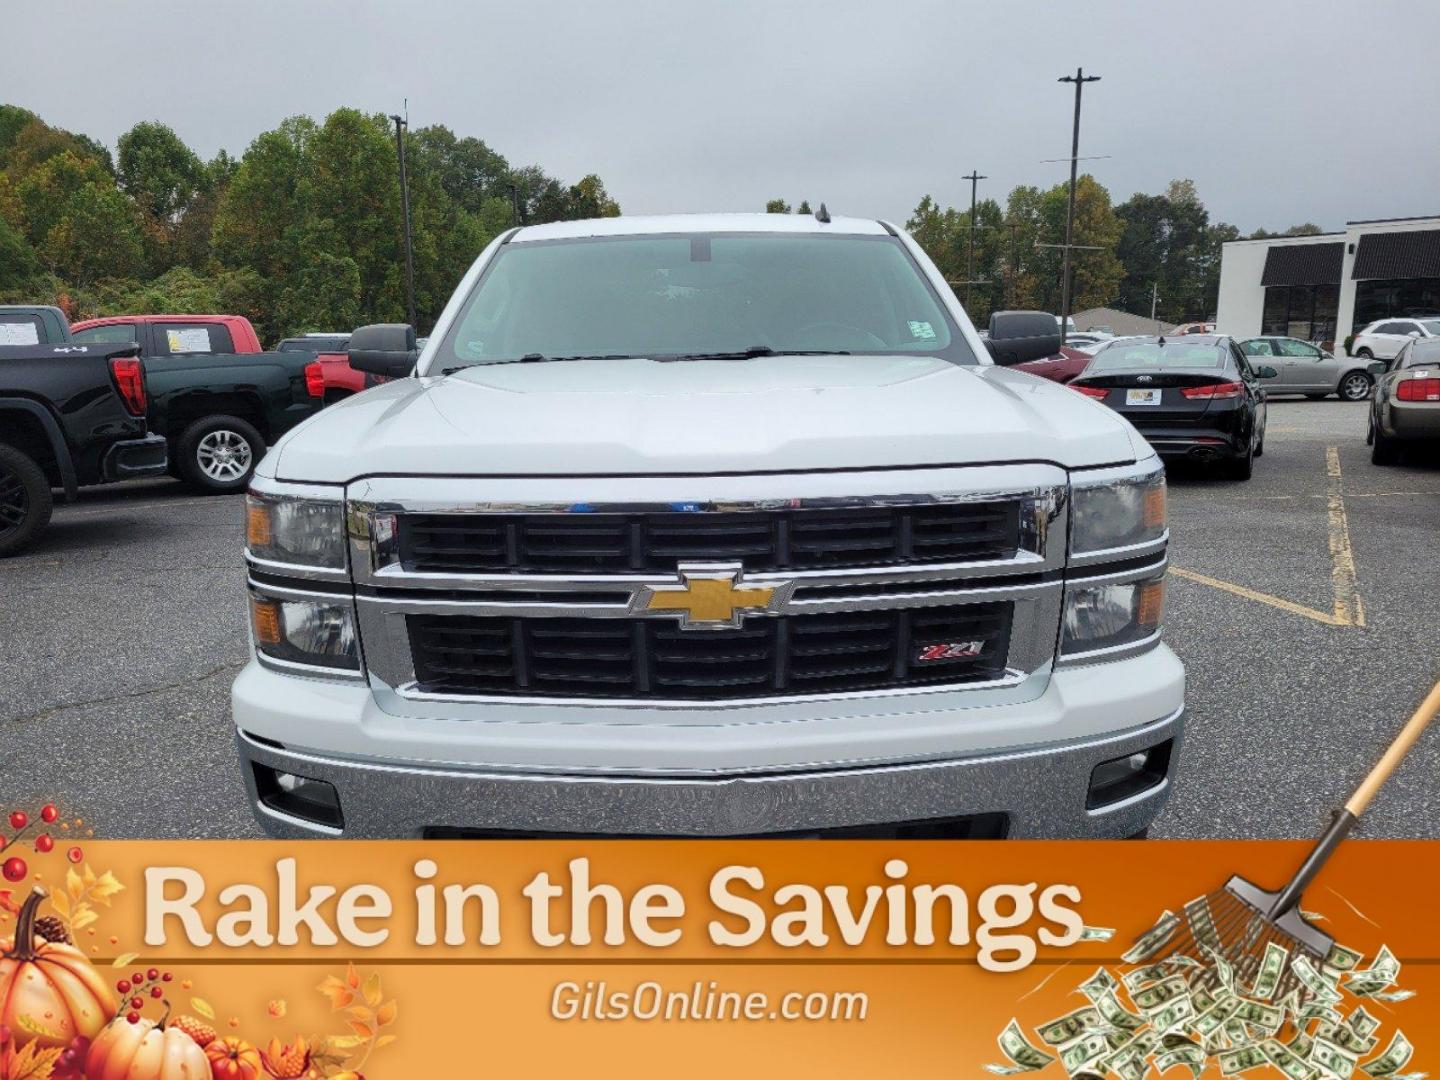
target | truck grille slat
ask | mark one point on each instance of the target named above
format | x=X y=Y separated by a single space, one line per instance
x=785 y=539
x=654 y=658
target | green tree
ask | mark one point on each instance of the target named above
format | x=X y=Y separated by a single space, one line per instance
x=777 y=206
x=804 y=207
x=156 y=169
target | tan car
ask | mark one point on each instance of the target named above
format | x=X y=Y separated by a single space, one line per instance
x=1406 y=407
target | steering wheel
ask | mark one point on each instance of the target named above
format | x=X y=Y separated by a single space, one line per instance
x=843 y=336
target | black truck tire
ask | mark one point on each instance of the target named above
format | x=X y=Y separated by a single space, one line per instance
x=25 y=501
x=218 y=454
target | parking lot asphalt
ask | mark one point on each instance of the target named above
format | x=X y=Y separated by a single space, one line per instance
x=1304 y=604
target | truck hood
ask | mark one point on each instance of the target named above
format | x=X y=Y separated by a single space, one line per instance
x=645 y=417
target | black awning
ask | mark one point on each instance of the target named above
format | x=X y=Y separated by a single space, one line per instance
x=1304 y=264
x=1391 y=255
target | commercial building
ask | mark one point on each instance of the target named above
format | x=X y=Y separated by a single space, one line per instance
x=1323 y=288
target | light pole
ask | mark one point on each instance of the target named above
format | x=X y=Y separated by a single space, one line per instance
x=974 y=177
x=1079 y=79
x=401 y=124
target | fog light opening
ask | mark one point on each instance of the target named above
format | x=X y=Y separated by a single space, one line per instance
x=1125 y=777
x=298 y=796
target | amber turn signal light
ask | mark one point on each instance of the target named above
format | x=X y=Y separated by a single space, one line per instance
x=1151 y=603
x=257 y=526
x=1154 y=507
x=265 y=618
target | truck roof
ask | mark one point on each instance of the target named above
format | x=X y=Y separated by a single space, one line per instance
x=650 y=224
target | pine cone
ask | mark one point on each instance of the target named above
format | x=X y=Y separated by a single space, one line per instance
x=52 y=929
x=201 y=1032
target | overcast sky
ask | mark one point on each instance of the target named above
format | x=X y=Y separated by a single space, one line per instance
x=1280 y=112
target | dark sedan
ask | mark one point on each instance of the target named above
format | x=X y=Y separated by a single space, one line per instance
x=1195 y=397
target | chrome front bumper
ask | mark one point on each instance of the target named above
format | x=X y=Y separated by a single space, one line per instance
x=1041 y=790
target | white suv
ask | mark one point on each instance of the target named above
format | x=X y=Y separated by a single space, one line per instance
x=708 y=526
x=1384 y=338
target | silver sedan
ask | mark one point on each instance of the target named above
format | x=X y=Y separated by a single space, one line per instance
x=1310 y=370
x=1406 y=406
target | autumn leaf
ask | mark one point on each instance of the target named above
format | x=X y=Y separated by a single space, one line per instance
x=372 y=989
x=352 y=977
x=386 y=1013
x=83 y=917
x=343 y=1042
x=106 y=887
x=277 y=1008
x=59 y=901
x=360 y=1012
x=339 y=994
x=384 y=1040
x=35 y=1027
x=365 y=1031
x=73 y=884
x=124 y=959
x=87 y=875
x=203 y=1007
x=33 y=1063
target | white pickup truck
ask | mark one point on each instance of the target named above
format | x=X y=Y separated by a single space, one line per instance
x=717 y=525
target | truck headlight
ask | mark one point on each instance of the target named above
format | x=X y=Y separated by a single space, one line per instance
x=1106 y=616
x=1111 y=512
x=295 y=530
x=320 y=633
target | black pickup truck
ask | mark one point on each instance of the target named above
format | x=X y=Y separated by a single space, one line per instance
x=218 y=410
x=70 y=415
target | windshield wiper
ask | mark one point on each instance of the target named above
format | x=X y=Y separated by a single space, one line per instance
x=538 y=358
x=753 y=352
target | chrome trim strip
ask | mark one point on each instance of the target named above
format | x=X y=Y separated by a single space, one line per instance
x=267 y=485
x=1133 y=551
x=1105 y=656
x=286 y=592
x=314 y=671
x=296 y=570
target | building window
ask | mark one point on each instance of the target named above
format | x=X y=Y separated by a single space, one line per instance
x=1410 y=297
x=1306 y=312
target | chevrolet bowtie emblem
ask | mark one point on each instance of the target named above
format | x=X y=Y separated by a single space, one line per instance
x=710 y=598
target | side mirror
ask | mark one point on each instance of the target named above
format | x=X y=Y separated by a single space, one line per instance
x=1413 y=333
x=1265 y=371
x=1017 y=337
x=383 y=349
x=1377 y=367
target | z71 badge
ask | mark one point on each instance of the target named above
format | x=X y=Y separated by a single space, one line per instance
x=950 y=650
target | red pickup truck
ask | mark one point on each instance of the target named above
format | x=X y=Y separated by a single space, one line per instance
x=173 y=335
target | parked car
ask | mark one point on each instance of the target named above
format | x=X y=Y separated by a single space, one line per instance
x=1185 y=329
x=1062 y=367
x=638 y=558
x=216 y=398
x=1086 y=342
x=26 y=324
x=1384 y=338
x=70 y=415
x=1406 y=406
x=1195 y=397
x=1310 y=370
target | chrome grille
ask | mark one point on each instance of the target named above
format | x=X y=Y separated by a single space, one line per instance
x=785 y=539
x=637 y=659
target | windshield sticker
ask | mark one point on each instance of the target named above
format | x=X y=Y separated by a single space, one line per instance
x=183 y=341
x=22 y=333
x=922 y=330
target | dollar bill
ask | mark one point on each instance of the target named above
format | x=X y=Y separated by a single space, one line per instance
x=1272 y=966
x=1287 y=1061
x=1342 y=959
x=1173 y=1015
x=1395 y=1057
x=1115 y=1014
x=1391 y=996
x=1083 y=1052
x=1335 y=1060
x=1102 y=982
x=1213 y=1019
x=1190 y=1056
x=1267 y=1017
x=1241 y=1058
x=1313 y=981
x=1141 y=976
x=1202 y=923
x=1383 y=971
x=1097 y=933
x=1160 y=994
x=1153 y=940
x=1346 y=1037
x=1361 y=1022
x=1302 y=1044
x=1023 y=1057
x=1069 y=1027
x=1223 y=971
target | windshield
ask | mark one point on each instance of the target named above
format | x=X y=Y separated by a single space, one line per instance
x=1431 y=326
x=1151 y=354
x=691 y=295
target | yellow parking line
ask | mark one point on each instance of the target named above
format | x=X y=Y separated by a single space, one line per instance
x=1349 y=608
x=1259 y=597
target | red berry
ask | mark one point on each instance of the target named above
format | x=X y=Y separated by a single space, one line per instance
x=123 y=986
x=15 y=868
x=49 y=814
x=44 y=843
x=166 y=977
x=133 y=1017
x=138 y=978
x=19 y=819
x=152 y=974
x=137 y=1003
x=156 y=992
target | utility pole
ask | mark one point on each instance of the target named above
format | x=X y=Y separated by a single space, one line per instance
x=974 y=177
x=1079 y=79
x=401 y=125
x=1154 y=301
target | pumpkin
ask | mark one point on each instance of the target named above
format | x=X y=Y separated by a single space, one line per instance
x=49 y=993
x=233 y=1059
x=145 y=1050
